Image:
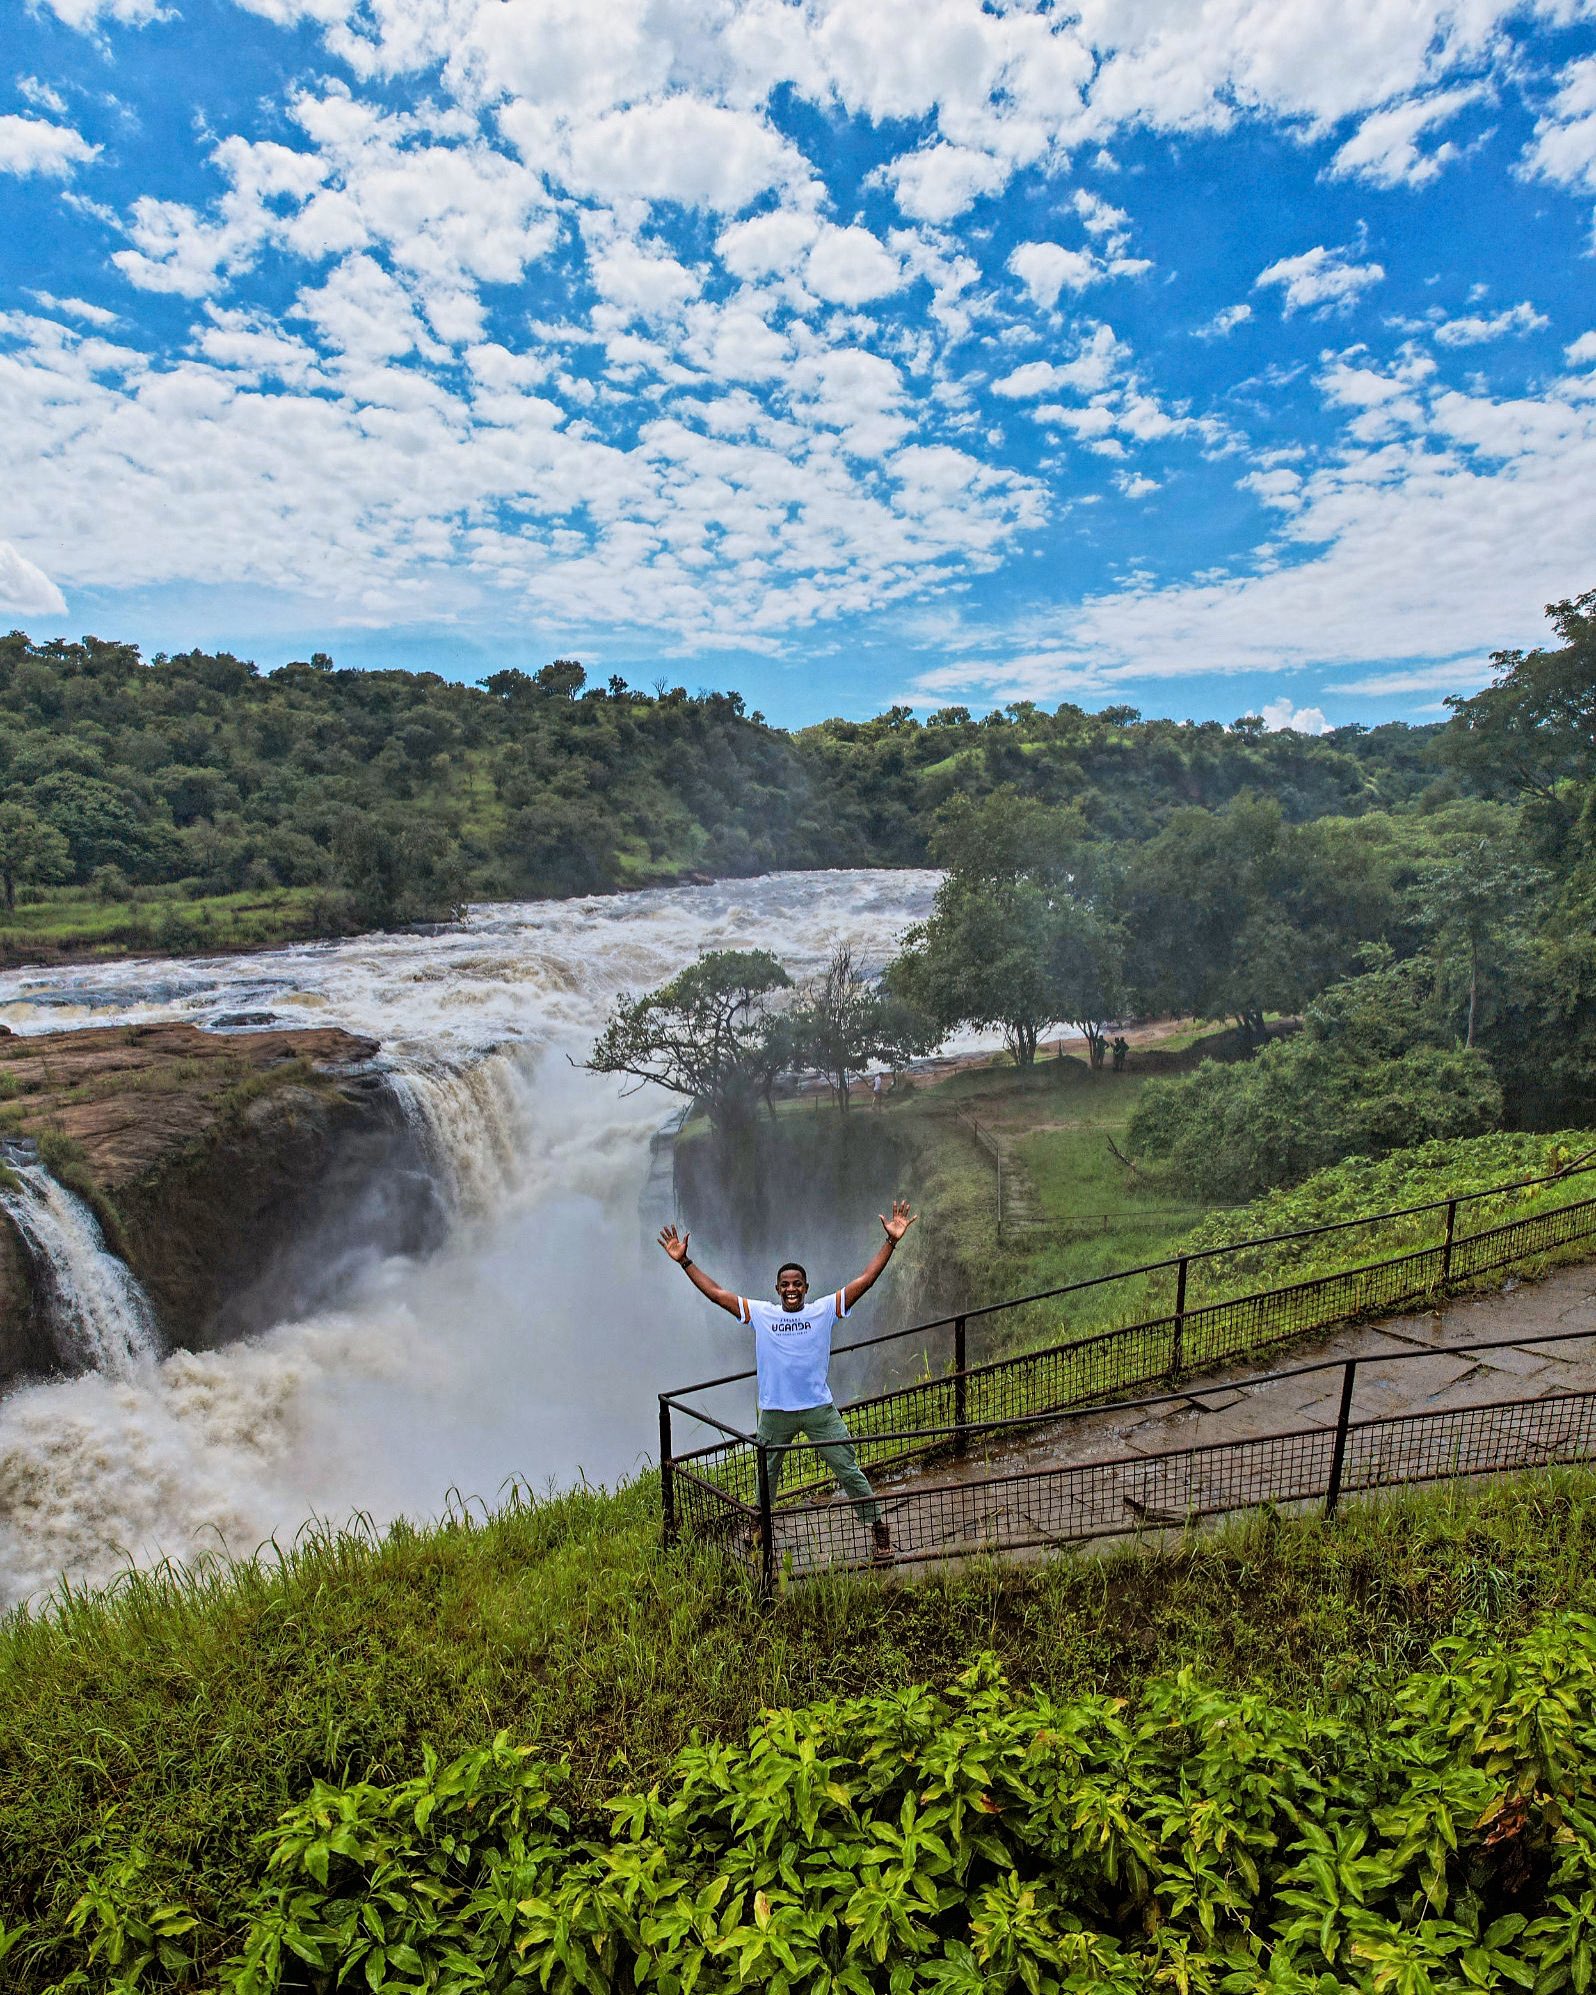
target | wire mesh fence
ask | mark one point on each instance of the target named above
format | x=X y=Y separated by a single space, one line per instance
x=942 y=1417
x=1053 y=1505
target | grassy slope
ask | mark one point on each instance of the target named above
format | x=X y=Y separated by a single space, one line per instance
x=1075 y=1211
x=197 y=1711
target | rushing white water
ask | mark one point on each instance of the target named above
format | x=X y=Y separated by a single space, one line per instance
x=533 y=1344
x=97 y=1305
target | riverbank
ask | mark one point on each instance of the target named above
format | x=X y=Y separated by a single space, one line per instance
x=75 y=925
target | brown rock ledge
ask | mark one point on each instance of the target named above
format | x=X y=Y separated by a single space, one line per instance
x=241 y=1175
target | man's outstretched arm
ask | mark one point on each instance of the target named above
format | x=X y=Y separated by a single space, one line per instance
x=894 y=1228
x=675 y=1244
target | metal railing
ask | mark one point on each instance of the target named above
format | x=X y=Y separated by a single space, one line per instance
x=723 y=1489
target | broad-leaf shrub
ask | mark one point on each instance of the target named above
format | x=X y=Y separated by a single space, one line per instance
x=1196 y=1840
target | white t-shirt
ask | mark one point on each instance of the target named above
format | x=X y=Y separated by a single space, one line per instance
x=792 y=1350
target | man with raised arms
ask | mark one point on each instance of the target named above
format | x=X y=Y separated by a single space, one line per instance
x=792 y=1353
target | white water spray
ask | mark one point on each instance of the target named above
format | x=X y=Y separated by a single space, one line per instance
x=100 y=1311
x=532 y=1344
x=469 y=1121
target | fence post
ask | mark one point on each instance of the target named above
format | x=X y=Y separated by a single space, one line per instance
x=961 y=1408
x=997 y=1159
x=667 y=1475
x=1446 y=1248
x=1177 y=1343
x=1338 y=1453
x=766 y=1534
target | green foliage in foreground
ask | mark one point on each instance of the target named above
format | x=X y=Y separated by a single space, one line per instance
x=154 y=1736
x=980 y=1840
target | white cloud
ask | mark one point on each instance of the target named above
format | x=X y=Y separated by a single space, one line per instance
x=75 y=308
x=1391 y=562
x=1099 y=217
x=1223 y=322
x=700 y=154
x=1580 y=352
x=1135 y=484
x=850 y=267
x=1281 y=715
x=1474 y=330
x=1321 y=277
x=34 y=145
x=1458 y=675
x=1046 y=268
x=1383 y=150
x=767 y=245
x=940 y=181
x=36 y=91
x=1036 y=377
x=1280 y=487
x=1564 y=146
x=646 y=283
x=25 y=589
x=86 y=14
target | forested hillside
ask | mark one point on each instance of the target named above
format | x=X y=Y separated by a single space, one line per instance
x=394 y=795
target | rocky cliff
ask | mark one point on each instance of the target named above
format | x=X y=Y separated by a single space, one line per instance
x=243 y=1176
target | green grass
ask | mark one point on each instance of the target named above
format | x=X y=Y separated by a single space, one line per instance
x=1075 y=1212
x=72 y=922
x=198 y=1708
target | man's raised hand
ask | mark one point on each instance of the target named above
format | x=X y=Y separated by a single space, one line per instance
x=675 y=1244
x=900 y=1222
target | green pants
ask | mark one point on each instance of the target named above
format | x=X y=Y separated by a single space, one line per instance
x=778 y=1429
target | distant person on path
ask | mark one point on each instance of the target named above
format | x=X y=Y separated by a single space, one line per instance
x=792 y=1353
x=875 y=1091
x=1121 y=1048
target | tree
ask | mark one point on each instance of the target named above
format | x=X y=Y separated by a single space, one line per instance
x=1085 y=971
x=1474 y=904
x=104 y=824
x=1021 y=935
x=1534 y=727
x=31 y=851
x=397 y=868
x=707 y=1034
x=1234 y=913
x=983 y=960
x=844 y=1022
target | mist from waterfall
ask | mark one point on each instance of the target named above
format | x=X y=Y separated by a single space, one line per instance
x=532 y=1344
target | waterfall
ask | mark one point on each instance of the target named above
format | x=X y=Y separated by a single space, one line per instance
x=469 y=1121
x=103 y=1319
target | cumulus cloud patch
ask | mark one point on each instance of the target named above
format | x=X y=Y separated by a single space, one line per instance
x=1284 y=716
x=1475 y=329
x=1385 y=150
x=1318 y=278
x=34 y=145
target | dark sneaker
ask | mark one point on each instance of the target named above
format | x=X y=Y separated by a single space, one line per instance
x=880 y=1543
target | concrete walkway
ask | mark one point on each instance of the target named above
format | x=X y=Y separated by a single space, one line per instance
x=1425 y=1407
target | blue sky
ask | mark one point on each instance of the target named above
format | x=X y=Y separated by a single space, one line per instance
x=1210 y=358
